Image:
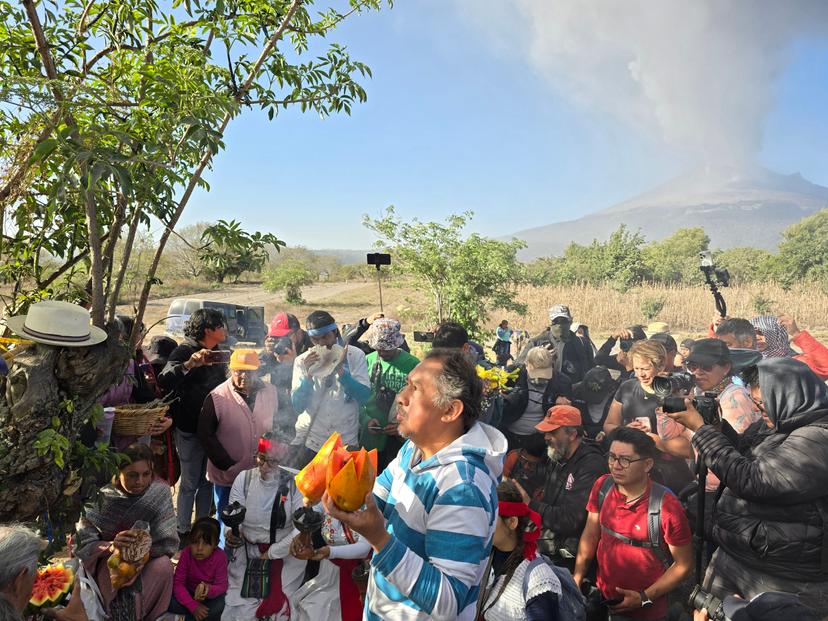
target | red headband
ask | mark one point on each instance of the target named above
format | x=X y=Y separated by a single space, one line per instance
x=530 y=537
x=269 y=446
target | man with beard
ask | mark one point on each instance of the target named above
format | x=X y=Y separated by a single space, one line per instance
x=574 y=356
x=575 y=464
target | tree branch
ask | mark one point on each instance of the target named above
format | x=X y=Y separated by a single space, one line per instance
x=207 y=158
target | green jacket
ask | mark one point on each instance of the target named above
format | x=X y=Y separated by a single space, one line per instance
x=393 y=375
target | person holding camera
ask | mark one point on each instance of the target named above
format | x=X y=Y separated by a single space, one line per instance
x=771 y=521
x=635 y=406
x=620 y=361
x=193 y=369
x=285 y=341
x=574 y=356
x=388 y=369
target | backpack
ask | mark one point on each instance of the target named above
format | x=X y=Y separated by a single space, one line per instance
x=654 y=542
x=572 y=605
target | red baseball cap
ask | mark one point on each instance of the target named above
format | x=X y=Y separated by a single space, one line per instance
x=560 y=416
x=283 y=324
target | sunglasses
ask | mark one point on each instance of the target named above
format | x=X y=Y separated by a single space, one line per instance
x=695 y=366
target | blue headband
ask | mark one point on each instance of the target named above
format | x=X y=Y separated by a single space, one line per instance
x=323 y=330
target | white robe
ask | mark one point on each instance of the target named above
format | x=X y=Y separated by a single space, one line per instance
x=256 y=529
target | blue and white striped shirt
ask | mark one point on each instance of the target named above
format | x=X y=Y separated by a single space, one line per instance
x=441 y=514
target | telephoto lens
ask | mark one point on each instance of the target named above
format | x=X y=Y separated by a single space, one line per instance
x=702 y=600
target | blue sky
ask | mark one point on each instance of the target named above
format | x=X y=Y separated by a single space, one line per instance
x=453 y=123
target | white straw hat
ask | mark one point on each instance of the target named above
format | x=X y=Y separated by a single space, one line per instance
x=57 y=323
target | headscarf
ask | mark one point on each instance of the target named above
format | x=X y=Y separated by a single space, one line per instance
x=776 y=337
x=531 y=535
x=385 y=335
x=793 y=395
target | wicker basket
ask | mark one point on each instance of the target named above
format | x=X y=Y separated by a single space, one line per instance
x=137 y=419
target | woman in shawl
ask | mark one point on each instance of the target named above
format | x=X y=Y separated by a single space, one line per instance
x=773 y=338
x=270 y=498
x=108 y=525
x=771 y=520
x=520 y=585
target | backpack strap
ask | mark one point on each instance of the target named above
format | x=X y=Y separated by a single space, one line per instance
x=538 y=560
x=654 y=523
x=246 y=484
x=606 y=486
x=654 y=540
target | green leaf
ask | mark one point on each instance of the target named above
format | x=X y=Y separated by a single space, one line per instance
x=44 y=149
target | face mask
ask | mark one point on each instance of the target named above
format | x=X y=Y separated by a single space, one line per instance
x=561 y=330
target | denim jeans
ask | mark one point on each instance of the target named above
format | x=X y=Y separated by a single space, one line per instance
x=222 y=494
x=193 y=486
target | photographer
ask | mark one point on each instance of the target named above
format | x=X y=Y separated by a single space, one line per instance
x=574 y=356
x=621 y=361
x=771 y=521
x=285 y=341
x=191 y=373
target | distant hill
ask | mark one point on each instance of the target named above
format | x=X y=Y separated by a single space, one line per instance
x=736 y=207
x=347 y=257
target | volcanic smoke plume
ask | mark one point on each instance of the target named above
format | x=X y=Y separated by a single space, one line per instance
x=697 y=73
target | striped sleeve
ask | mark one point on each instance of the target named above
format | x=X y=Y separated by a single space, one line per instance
x=457 y=542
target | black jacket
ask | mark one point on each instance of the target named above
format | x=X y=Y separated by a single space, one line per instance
x=515 y=402
x=576 y=358
x=190 y=387
x=563 y=508
x=773 y=512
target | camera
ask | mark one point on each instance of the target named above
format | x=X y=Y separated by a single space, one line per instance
x=711 y=272
x=702 y=600
x=665 y=388
x=423 y=337
x=378 y=258
x=282 y=346
x=625 y=344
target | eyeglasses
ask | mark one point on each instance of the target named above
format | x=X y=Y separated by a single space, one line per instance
x=621 y=460
x=262 y=460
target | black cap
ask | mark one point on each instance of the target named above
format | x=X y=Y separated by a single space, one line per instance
x=767 y=607
x=665 y=339
x=707 y=352
x=160 y=348
x=596 y=385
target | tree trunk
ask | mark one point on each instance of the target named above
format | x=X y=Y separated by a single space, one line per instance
x=39 y=381
x=115 y=290
x=96 y=264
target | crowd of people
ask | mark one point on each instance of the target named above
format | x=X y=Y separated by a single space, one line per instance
x=569 y=493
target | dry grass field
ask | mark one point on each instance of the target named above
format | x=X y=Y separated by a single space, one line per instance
x=688 y=310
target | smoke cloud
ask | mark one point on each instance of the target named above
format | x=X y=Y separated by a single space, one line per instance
x=698 y=74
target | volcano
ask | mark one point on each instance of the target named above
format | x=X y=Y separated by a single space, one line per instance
x=735 y=206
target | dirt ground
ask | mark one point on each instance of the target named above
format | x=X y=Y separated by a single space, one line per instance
x=250 y=295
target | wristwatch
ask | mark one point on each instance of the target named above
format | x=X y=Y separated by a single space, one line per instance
x=646 y=602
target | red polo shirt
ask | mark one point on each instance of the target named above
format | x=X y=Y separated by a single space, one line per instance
x=628 y=567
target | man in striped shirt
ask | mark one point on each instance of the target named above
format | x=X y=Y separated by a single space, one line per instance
x=432 y=514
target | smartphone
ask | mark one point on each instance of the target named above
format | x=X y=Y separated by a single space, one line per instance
x=423 y=337
x=645 y=420
x=613 y=601
x=375 y=427
x=218 y=356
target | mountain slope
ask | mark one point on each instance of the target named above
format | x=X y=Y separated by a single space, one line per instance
x=736 y=207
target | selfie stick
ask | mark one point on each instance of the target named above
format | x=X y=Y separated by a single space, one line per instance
x=379 y=284
x=378 y=259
